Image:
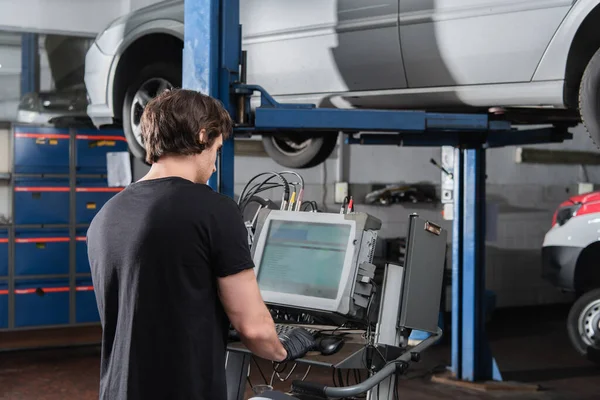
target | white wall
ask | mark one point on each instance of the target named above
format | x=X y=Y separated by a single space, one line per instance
x=83 y=17
x=10 y=74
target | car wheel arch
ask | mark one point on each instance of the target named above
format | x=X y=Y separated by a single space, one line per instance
x=581 y=50
x=587 y=271
x=165 y=45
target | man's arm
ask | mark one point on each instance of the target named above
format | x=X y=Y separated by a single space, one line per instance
x=249 y=315
x=238 y=288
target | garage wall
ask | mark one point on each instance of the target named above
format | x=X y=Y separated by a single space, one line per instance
x=60 y=16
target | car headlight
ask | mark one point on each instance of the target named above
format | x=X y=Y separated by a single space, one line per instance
x=564 y=214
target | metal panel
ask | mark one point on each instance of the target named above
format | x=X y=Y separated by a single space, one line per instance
x=236 y=369
x=442 y=41
x=424 y=272
x=387 y=331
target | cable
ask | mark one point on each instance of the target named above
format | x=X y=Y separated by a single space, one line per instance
x=289 y=374
x=286 y=195
x=307 y=203
x=257 y=189
x=301 y=192
x=260 y=370
x=306 y=374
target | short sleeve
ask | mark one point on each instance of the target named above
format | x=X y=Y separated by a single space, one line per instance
x=230 y=252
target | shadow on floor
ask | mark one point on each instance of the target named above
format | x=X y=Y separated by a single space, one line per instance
x=552 y=374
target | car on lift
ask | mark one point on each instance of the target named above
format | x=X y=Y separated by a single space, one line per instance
x=570 y=261
x=526 y=61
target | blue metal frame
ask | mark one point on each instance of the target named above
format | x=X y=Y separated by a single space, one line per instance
x=30 y=63
x=211 y=66
x=212 y=56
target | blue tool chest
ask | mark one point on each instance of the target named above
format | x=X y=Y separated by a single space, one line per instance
x=42 y=252
x=41 y=201
x=41 y=150
x=3 y=304
x=60 y=183
x=92 y=147
x=41 y=302
x=86 y=308
x=3 y=253
x=82 y=264
x=91 y=195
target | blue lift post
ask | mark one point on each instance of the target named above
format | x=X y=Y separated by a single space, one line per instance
x=212 y=58
x=30 y=63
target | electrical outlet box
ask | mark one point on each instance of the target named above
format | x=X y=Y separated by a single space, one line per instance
x=341 y=191
x=448 y=212
x=583 y=188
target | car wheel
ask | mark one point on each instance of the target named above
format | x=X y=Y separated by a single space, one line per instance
x=152 y=81
x=300 y=151
x=583 y=323
x=589 y=98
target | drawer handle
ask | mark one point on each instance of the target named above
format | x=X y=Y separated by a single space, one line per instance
x=101 y=143
x=40 y=292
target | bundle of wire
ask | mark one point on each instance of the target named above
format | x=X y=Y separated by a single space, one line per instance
x=272 y=180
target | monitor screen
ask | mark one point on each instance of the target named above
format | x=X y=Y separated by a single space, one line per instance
x=303 y=258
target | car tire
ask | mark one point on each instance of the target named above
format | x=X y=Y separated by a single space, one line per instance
x=589 y=98
x=298 y=151
x=151 y=81
x=583 y=324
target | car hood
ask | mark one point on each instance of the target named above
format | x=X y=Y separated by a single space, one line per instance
x=592 y=197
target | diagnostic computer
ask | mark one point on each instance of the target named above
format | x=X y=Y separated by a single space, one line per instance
x=318 y=262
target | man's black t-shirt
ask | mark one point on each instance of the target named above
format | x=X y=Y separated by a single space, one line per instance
x=156 y=250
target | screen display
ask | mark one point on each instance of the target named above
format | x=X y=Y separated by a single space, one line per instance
x=303 y=258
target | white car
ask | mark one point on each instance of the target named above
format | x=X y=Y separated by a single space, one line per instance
x=537 y=60
x=571 y=254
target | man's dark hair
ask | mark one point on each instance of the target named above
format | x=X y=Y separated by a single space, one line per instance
x=172 y=121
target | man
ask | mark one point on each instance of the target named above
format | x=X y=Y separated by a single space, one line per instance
x=171 y=266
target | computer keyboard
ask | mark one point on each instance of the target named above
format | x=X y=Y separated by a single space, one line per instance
x=279 y=328
x=284 y=328
x=325 y=344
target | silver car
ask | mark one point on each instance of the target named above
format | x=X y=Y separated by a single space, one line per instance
x=530 y=60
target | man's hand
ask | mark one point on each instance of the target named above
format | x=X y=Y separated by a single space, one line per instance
x=297 y=343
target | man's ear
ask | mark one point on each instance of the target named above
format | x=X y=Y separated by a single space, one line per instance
x=203 y=136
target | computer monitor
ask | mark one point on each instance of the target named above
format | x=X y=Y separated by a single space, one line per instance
x=311 y=261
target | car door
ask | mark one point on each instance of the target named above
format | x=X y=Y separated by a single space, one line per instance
x=322 y=46
x=470 y=42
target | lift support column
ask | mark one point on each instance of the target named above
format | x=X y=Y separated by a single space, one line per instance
x=211 y=64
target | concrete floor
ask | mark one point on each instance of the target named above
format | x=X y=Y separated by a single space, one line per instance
x=532 y=349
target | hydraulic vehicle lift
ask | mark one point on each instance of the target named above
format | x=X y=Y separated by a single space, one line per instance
x=213 y=63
